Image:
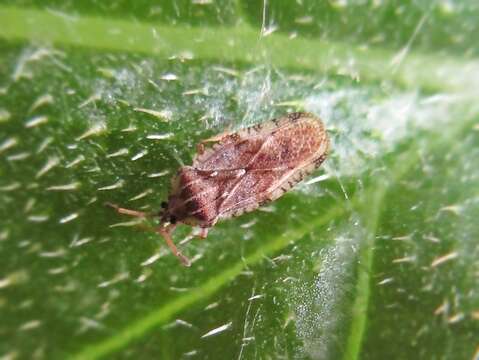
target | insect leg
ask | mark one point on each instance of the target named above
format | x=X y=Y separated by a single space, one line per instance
x=165 y=232
x=129 y=212
x=221 y=138
x=203 y=233
x=200 y=148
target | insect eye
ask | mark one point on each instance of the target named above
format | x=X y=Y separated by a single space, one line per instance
x=173 y=220
x=164 y=204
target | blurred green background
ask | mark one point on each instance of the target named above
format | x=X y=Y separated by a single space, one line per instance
x=374 y=256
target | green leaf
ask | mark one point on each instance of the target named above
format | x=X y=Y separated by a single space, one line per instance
x=374 y=256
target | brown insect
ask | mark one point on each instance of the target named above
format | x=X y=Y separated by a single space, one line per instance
x=242 y=171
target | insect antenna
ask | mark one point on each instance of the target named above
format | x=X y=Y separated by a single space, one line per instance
x=129 y=212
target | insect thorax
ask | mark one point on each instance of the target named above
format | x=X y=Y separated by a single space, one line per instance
x=194 y=197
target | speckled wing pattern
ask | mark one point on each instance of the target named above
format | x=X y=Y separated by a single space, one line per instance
x=266 y=160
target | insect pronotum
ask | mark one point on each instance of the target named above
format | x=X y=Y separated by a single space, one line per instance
x=240 y=172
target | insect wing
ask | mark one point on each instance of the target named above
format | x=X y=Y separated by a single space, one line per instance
x=274 y=156
x=229 y=155
x=249 y=192
x=292 y=147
